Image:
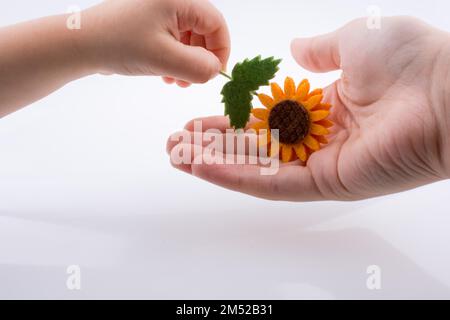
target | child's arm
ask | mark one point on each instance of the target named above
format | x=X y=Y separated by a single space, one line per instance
x=37 y=58
x=186 y=40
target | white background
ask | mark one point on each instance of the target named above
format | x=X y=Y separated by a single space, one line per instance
x=85 y=180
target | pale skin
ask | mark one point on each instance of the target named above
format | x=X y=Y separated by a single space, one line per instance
x=391 y=105
x=391 y=110
x=184 y=41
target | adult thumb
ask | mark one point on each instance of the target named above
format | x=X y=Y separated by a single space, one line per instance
x=317 y=54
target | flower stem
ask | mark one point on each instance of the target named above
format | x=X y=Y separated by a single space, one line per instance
x=223 y=73
x=226 y=75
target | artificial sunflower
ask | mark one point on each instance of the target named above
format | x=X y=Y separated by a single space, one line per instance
x=299 y=115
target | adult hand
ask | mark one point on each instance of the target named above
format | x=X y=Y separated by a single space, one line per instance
x=391 y=111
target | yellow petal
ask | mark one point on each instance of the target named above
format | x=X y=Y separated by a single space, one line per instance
x=259 y=125
x=302 y=91
x=286 y=153
x=301 y=152
x=315 y=92
x=289 y=88
x=319 y=115
x=319 y=130
x=313 y=101
x=322 y=106
x=266 y=101
x=325 y=123
x=311 y=143
x=261 y=114
x=277 y=93
x=321 y=139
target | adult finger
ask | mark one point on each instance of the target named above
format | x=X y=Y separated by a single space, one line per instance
x=318 y=54
x=290 y=183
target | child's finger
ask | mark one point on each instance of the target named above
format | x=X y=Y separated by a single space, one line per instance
x=180 y=83
x=198 y=40
x=187 y=63
x=205 y=20
x=183 y=84
x=185 y=37
x=215 y=43
x=168 y=80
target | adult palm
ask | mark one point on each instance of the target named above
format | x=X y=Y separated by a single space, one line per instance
x=390 y=114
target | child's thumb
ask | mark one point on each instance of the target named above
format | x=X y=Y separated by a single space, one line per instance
x=189 y=63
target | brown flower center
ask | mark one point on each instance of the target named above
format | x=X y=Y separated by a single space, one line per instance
x=292 y=121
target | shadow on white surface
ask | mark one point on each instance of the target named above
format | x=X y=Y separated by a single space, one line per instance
x=217 y=256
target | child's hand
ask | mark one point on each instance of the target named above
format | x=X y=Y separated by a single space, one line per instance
x=186 y=40
x=182 y=40
x=391 y=109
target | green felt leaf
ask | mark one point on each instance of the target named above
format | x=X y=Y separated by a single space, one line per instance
x=238 y=104
x=247 y=77
x=256 y=72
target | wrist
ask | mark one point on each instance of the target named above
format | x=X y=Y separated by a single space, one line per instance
x=68 y=47
x=83 y=40
x=98 y=40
